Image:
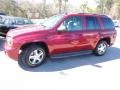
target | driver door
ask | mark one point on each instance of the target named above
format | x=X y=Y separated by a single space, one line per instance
x=69 y=38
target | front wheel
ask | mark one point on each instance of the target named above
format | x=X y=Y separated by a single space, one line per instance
x=101 y=48
x=32 y=56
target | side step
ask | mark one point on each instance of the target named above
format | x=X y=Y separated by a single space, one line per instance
x=65 y=55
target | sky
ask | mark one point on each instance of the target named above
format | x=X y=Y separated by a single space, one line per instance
x=91 y=3
x=75 y=3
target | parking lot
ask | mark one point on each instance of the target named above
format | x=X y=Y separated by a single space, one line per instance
x=83 y=72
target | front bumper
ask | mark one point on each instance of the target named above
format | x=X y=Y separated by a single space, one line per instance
x=12 y=52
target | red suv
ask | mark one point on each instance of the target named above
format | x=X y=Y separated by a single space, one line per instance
x=60 y=34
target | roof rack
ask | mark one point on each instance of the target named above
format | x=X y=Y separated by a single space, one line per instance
x=95 y=14
x=91 y=13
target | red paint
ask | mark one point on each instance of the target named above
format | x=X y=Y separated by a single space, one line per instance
x=58 y=42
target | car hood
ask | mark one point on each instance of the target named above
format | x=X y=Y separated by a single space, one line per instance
x=26 y=30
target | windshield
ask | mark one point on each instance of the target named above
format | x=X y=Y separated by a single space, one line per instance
x=52 y=21
x=1 y=20
x=4 y=21
x=15 y=21
x=22 y=21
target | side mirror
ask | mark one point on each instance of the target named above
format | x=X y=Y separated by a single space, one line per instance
x=61 y=28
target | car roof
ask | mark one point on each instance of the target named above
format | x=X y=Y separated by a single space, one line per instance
x=11 y=17
x=2 y=13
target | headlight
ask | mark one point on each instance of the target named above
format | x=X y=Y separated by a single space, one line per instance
x=9 y=41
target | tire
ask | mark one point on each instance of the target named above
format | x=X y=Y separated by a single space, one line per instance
x=32 y=56
x=2 y=35
x=101 y=48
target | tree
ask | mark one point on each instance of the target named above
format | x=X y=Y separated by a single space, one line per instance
x=109 y=7
x=65 y=5
x=101 y=6
x=84 y=7
x=60 y=6
x=44 y=8
x=104 y=6
x=11 y=7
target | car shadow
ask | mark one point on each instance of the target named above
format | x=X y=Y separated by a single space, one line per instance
x=2 y=40
x=53 y=65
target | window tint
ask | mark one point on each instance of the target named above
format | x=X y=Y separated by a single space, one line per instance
x=73 y=23
x=107 y=23
x=92 y=23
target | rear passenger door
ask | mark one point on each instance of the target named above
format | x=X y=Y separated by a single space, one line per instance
x=93 y=29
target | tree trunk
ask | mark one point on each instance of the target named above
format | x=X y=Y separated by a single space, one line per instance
x=60 y=6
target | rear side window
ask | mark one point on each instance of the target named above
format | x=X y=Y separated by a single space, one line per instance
x=92 y=23
x=107 y=23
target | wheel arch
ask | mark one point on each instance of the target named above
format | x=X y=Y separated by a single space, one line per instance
x=107 y=39
x=40 y=43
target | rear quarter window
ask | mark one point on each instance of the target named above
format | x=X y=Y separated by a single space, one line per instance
x=107 y=23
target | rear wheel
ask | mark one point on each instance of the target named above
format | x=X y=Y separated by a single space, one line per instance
x=101 y=48
x=32 y=56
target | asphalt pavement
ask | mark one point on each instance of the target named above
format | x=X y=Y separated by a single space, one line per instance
x=83 y=72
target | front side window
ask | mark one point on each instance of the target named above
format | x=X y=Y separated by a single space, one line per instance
x=92 y=23
x=73 y=23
